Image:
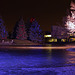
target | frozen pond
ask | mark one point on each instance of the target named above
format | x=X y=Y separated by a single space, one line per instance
x=34 y=62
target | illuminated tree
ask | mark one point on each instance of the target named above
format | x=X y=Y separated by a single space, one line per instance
x=20 y=30
x=3 y=32
x=35 y=33
x=28 y=25
x=70 y=23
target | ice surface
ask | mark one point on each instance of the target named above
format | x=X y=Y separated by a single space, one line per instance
x=34 y=62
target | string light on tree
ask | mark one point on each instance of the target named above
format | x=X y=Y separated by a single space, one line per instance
x=20 y=30
x=70 y=23
x=35 y=33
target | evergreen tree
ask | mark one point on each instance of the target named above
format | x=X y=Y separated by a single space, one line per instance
x=28 y=25
x=35 y=33
x=20 y=30
x=3 y=32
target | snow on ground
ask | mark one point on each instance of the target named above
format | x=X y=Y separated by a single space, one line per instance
x=65 y=70
x=35 y=71
x=55 y=71
x=17 y=42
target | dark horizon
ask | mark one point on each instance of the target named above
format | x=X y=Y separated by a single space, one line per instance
x=47 y=12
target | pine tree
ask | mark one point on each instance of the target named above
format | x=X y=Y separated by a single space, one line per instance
x=35 y=33
x=20 y=30
x=3 y=32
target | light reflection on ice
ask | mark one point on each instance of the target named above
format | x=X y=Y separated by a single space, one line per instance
x=39 y=61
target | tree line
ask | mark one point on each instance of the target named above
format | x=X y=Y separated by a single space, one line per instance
x=21 y=31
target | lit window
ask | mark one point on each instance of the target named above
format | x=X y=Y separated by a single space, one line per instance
x=72 y=39
x=63 y=40
x=61 y=34
x=51 y=40
x=47 y=36
x=55 y=40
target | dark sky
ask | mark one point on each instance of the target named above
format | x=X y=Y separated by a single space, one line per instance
x=46 y=12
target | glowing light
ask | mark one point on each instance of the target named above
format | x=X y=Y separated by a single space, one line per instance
x=47 y=36
x=72 y=39
x=63 y=40
x=32 y=19
x=70 y=26
x=51 y=40
x=55 y=40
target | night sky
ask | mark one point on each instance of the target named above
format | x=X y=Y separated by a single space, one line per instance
x=46 y=12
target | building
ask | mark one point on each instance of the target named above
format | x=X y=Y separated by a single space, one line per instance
x=59 y=32
x=48 y=37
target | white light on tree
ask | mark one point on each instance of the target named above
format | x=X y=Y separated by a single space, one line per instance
x=70 y=24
